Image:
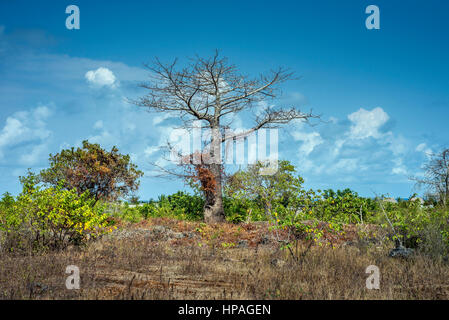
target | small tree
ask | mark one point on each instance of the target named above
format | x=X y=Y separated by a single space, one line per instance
x=281 y=189
x=49 y=218
x=107 y=175
x=436 y=176
x=284 y=200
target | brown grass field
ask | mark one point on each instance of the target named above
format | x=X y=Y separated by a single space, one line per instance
x=171 y=259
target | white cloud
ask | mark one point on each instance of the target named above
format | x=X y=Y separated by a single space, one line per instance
x=150 y=150
x=102 y=77
x=41 y=113
x=105 y=138
x=160 y=118
x=367 y=123
x=99 y=124
x=399 y=170
x=345 y=165
x=338 y=145
x=33 y=157
x=422 y=147
x=345 y=147
x=398 y=145
x=12 y=132
x=24 y=127
x=310 y=141
x=399 y=167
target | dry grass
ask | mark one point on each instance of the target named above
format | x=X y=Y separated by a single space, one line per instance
x=141 y=264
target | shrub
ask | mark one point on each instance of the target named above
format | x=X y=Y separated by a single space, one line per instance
x=107 y=175
x=236 y=210
x=180 y=205
x=49 y=218
x=344 y=206
x=282 y=189
x=418 y=227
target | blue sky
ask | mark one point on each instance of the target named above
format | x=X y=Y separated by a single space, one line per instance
x=383 y=94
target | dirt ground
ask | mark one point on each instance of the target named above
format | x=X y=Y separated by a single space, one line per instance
x=171 y=259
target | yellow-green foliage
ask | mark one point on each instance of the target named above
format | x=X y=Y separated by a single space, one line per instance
x=41 y=218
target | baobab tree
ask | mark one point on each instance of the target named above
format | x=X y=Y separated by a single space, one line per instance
x=206 y=91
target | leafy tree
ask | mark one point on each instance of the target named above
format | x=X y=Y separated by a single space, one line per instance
x=107 y=175
x=281 y=189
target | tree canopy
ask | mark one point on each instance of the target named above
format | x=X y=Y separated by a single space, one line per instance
x=107 y=175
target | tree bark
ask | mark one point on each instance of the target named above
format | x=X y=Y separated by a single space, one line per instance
x=213 y=206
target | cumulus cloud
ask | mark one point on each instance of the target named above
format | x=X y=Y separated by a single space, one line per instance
x=399 y=167
x=25 y=137
x=399 y=170
x=358 y=149
x=104 y=138
x=25 y=127
x=366 y=123
x=102 y=77
x=310 y=141
x=422 y=147
x=338 y=150
x=32 y=157
x=12 y=131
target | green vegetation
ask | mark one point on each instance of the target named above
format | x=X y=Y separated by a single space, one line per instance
x=48 y=218
x=179 y=205
x=77 y=199
x=107 y=175
x=65 y=204
x=80 y=198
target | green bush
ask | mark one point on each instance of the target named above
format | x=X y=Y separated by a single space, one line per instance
x=180 y=205
x=236 y=210
x=418 y=227
x=344 y=206
x=49 y=218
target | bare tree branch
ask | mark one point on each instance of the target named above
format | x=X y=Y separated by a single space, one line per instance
x=208 y=89
x=436 y=176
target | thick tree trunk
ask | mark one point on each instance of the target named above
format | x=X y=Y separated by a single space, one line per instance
x=213 y=206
